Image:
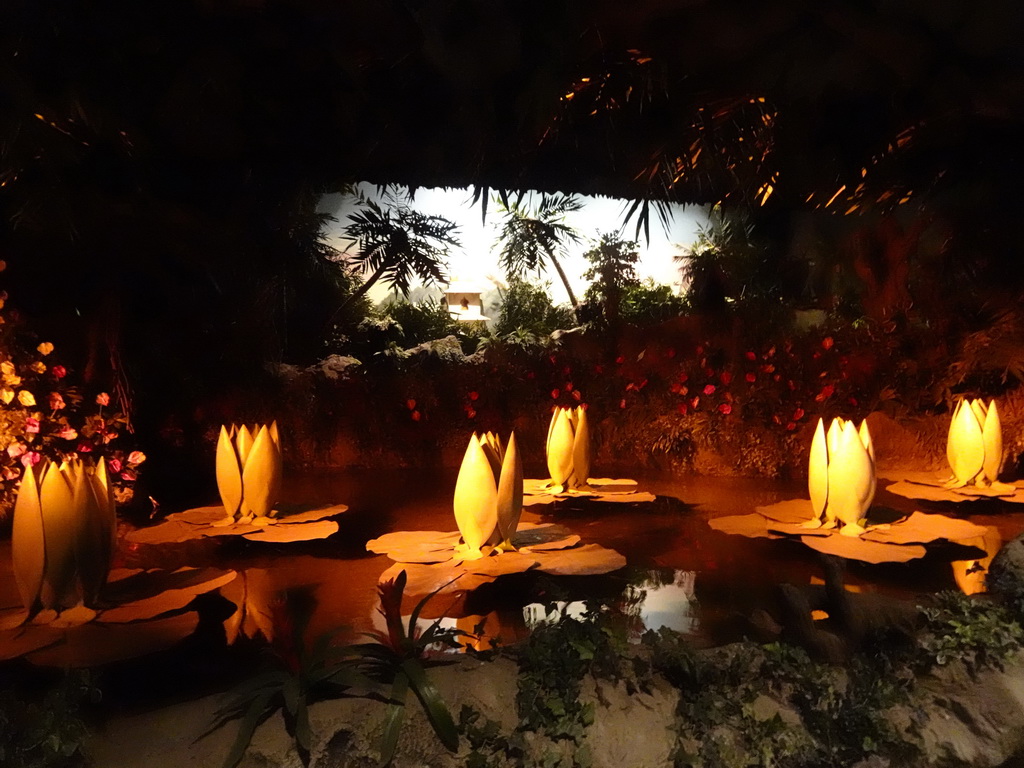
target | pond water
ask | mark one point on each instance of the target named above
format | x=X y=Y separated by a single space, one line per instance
x=680 y=574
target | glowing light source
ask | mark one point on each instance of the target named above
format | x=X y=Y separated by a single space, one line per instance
x=249 y=468
x=974 y=446
x=488 y=494
x=63 y=535
x=841 y=476
x=568 y=449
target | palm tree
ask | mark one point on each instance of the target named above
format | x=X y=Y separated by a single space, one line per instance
x=397 y=243
x=530 y=238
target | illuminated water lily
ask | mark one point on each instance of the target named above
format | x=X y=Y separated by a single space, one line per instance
x=489 y=494
x=568 y=449
x=841 y=476
x=974 y=447
x=63 y=535
x=249 y=469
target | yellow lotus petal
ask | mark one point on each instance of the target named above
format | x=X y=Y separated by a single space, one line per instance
x=817 y=471
x=476 y=498
x=851 y=478
x=490 y=449
x=978 y=409
x=551 y=429
x=28 y=545
x=229 y=473
x=581 y=448
x=60 y=530
x=243 y=442
x=261 y=476
x=510 y=491
x=560 y=448
x=992 y=437
x=865 y=438
x=90 y=542
x=966 y=447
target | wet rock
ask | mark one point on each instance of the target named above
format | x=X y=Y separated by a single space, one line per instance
x=1006 y=574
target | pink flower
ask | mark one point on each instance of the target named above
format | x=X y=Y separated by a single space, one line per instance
x=14 y=450
x=129 y=474
x=709 y=389
x=115 y=465
x=84 y=447
x=56 y=401
x=103 y=398
x=31 y=458
x=67 y=433
x=725 y=409
x=136 y=457
x=59 y=371
x=31 y=425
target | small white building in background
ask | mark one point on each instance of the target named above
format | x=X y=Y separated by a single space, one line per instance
x=464 y=301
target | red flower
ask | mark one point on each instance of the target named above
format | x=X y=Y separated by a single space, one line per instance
x=31 y=425
x=568 y=386
x=683 y=378
x=751 y=355
x=474 y=395
x=410 y=404
x=695 y=401
x=682 y=409
x=31 y=458
x=531 y=375
x=777 y=377
x=683 y=390
x=620 y=360
x=790 y=426
x=103 y=398
x=725 y=409
x=555 y=393
x=598 y=369
x=825 y=394
x=791 y=385
x=827 y=342
x=751 y=377
x=709 y=389
x=415 y=416
x=700 y=350
x=725 y=378
x=853 y=401
x=798 y=414
x=471 y=413
x=59 y=371
x=129 y=475
x=84 y=447
x=576 y=394
x=115 y=465
x=770 y=352
x=769 y=368
x=622 y=403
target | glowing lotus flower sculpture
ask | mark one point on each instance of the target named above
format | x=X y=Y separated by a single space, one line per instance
x=64 y=534
x=841 y=476
x=974 y=447
x=568 y=449
x=488 y=494
x=249 y=472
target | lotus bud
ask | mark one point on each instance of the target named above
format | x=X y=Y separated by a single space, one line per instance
x=568 y=449
x=63 y=535
x=841 y=476
x=974 y=447
x=489 y=494
x=249 y=470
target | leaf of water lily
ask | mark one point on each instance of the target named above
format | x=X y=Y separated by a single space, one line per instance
x=165 y=601
x=200 y=522
x=415 y=546
x=97 y=643
x=309 y=514
x=854 y=548
x=753 y=526
x=285 y=533
x=922 y=528
x=501 y=565
x=125 y=585
x=930 y=486
x=788 y=511
x=12 y=618
x=588 y=560
x=424 y=579
x=15 y=643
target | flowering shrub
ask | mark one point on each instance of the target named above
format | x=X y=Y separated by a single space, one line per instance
x=43 y=415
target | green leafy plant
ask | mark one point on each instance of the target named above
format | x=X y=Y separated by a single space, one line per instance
x=294 y=676
x=397 y=658
x=974 y=631
x=47 y=731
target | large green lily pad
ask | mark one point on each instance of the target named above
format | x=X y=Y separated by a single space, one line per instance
x=290 y=525
x=622 y=490
x=891 y=537
x=931 y=486
x=431 y=560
